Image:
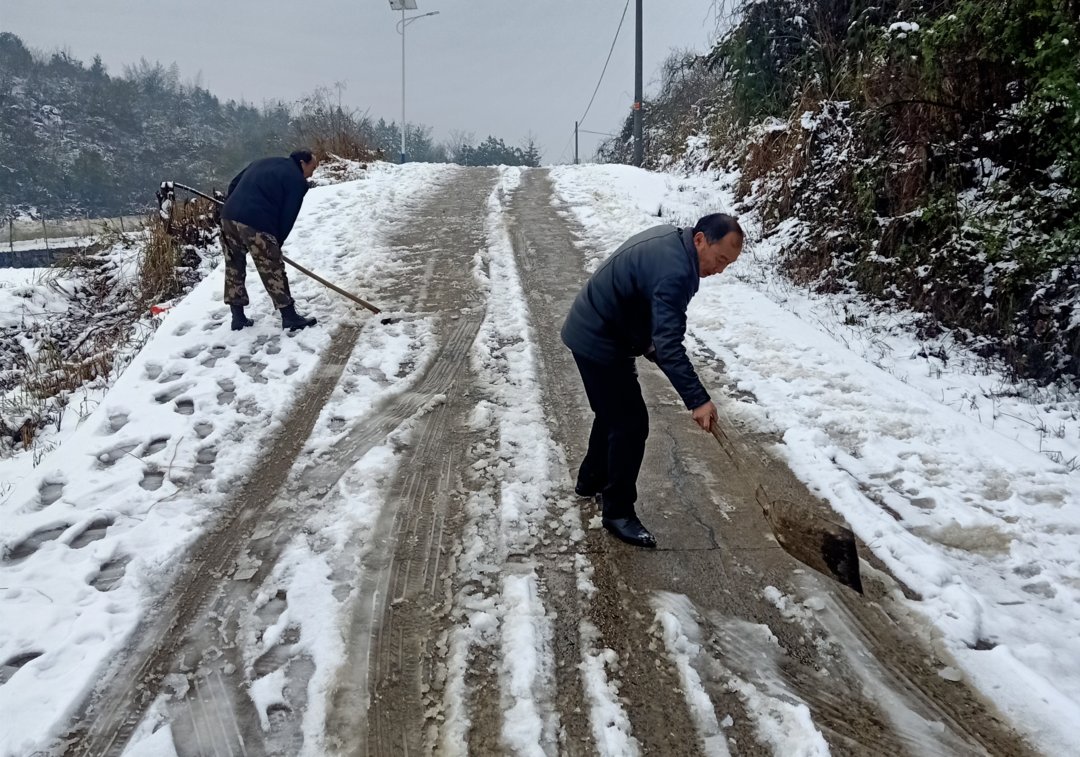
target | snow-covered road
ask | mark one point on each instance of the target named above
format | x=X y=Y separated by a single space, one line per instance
x=409 y=570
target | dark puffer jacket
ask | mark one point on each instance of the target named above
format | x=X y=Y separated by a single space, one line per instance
x=636 y=299
x=267 y=196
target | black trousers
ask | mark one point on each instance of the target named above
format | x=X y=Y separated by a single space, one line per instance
x=619 y=431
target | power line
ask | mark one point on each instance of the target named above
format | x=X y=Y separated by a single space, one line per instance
x=625 y=8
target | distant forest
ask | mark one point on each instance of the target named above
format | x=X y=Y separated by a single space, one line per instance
x=77 y=141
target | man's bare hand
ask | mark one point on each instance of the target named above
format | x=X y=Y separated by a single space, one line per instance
x=705 y=416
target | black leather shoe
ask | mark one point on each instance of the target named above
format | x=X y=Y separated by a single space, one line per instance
x=630 y=531
x=239 y=320
x=293 y=321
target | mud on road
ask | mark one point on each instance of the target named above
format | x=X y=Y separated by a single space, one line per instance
x=717 y=638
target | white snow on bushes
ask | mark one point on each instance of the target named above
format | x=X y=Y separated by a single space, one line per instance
x=957 y=480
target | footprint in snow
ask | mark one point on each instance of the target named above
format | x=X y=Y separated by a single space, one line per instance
x=204 y=464
x=49 y=492
x=185 y=407
x=183 y=328
x=32 y=544
x=228 y=391
x=155 y=446
x=152 y=479
x=110 y=574
x=192 y=352
x=152 y=371
x=169 y=396
x=252 y=368
x=203 y=429
x=211 y=326
x=216 y=353
x=107 y=458
x=11 y=667
x=293 y=367
x=116 y=422
x=92 y=533
x=272 y=344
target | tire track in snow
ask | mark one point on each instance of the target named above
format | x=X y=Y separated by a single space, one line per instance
x=607 y=671
x=504 y=623
x=383 y=699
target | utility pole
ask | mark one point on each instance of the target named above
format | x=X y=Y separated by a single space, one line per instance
x=637 y=90
x=575 y=143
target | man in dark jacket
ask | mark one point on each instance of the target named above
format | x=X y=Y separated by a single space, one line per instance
x=260 y=210
x=635 y=304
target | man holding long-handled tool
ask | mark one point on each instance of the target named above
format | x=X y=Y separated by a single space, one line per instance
x=635 y=304
x=262 y=205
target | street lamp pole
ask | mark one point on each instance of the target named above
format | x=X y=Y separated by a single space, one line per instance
x=404 y=5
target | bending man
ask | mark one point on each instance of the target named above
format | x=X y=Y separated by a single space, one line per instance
x=260 y=210
x=635 y=304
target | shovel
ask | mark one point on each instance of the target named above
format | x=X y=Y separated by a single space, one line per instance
x=814 y=541
x=297 y=266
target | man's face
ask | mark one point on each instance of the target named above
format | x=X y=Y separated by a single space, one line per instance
x=714 y=258
x=309 y=168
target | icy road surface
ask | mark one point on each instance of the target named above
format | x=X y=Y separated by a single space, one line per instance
x=363 y=538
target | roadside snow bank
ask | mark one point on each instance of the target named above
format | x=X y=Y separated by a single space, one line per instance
x=936 y=469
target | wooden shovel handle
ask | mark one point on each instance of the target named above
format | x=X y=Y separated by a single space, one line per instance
x=327 y=284
x=724 y=441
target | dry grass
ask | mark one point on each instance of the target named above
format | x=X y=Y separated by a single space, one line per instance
x=158 y=277
x=102 y=327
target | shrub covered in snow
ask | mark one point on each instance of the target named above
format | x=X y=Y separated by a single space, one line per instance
x=929 y=154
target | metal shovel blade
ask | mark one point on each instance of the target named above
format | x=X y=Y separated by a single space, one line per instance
x=814 y=541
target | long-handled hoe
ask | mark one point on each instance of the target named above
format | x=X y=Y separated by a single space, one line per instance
x=295 y=265
x=814 y=541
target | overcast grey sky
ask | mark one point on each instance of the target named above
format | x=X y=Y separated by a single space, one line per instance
x=501 y=68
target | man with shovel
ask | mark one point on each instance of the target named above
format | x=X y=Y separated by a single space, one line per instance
x=260 y=210
x=635 y=304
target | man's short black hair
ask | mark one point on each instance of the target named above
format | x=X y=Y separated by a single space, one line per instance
x=302 y=156
x=716 y=226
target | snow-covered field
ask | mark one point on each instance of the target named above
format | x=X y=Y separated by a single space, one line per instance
x=96 y=530
x=964 y=491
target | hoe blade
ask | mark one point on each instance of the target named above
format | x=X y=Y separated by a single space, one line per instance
x=812 y=540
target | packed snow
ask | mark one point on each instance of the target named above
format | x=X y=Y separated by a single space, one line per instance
x=964 y=485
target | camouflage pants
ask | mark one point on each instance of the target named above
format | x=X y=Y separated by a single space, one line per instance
x=239 y=241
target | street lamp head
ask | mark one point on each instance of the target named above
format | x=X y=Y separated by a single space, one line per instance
x=402 y=5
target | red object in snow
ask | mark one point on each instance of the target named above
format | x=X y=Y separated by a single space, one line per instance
x=159 y=309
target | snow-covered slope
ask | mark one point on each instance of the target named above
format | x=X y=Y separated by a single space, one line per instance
x=96 y=531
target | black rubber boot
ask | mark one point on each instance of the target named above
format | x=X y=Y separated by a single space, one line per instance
x=630 y=531
x=239 y=320
x=293 y=321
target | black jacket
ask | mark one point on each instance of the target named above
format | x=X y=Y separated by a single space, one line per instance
x=636 y=299
x=267 y=196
